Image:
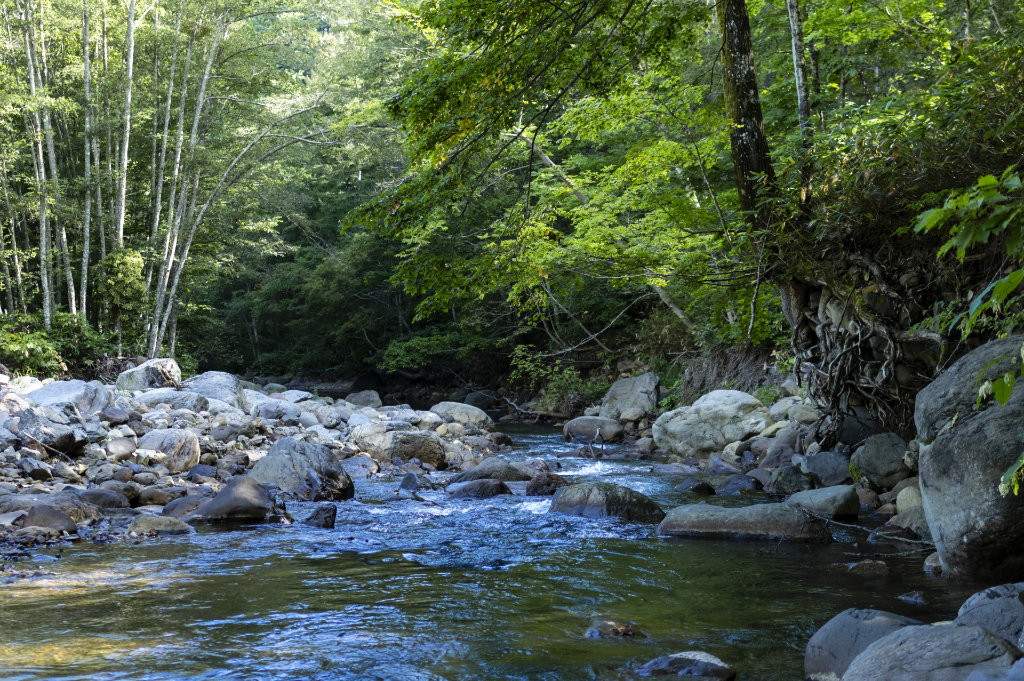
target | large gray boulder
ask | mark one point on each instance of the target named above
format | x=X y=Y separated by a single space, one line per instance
x=45 y=429
x=493 y=468
x=466 y=414
x=592 y=429
x=304 y=471
x=176 y=399
x=66 y=501
x=839 y=501
x=602 y=499
x=279 y=410
x=941 y=652
x=840 y=640
x=365 y=398
x=219 y=385
x=243 y=498
x=880 y=460
x=89 y=398
x=180 y=447
x=999 y=609
x=712 y=422
x=633 y=397
x=832 y=468
x=389 y=441
x=760 y=521
x=977 y=531
x=162 y=372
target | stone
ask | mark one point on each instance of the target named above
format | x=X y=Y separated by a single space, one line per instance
x=944 y=652
x=760 y=521
x=115 y=416
x=89 y=398
x=158 y=524
x=908 y=498
x=933 y=565
x=180 y=447
x=35 y=469
x=296 y=396
x=120 y=448
x=304 y=470
x=360 y=467
x=690 y=663
x=804 y=413
x=66 y=501
x=545 y=484
x=695 y=486
x=593 y=430
x=478 y=489
x=1000 y=609
x=602 y=499
x=176 y=399
x=779 y=411
x=832 y=468
x=323 y=515
x=42 y=515
x=465 y=414
x=788 y=480
x=712 y=422
x=977 y=531
x=280 y=410
x=840 y=501
x=244 y=498
x=494 y=468
x=162 y=372
x=880 y=461
x=218 y=385
x=840 y=640
x=104 y=498
x=715 y=466
x=154 y=495
x=185 y=506
x=634 y=397
x=44 y=428
x=737 y=484
x=365 y=398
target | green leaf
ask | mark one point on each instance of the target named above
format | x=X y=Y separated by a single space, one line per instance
x=1012 y=477
x=1005 y=286
x=1002 y=388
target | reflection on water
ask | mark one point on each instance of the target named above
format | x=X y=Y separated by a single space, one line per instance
x=491 y=589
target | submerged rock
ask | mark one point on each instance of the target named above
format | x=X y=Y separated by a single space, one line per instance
x=759 y=521
x=692 y=663
x=478 y=489
x=601 y=499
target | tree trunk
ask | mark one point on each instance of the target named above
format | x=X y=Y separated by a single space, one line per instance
x=750 y=153
x=122 y=170
x=803 y=104
x=87 y=215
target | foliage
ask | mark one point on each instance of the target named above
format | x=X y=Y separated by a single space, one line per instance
x=70 y=348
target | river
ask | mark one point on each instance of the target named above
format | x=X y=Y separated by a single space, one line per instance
x=466 y=590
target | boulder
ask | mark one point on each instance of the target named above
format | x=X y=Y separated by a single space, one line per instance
x=158 y=524
x=999 y=609
x=35 y=469
x=712 y=422
x=360 y=467
x=494 y=468
x=185 y=506
x=482 y=399
x=913 y=519
x=177 y=399
x=478 y=489
x=104 y=498
x=66 y=501
x=304 y=470
x=179 y=446
x=964 y=453
x=42 y=515
x=322 y=515
x=690 y=663
x=295 y=396
x=280 y=410
x=465 y=414
x=219 y=385
x=44 y=428
x=760 y=521
x=840 y=501
x=160 y=496
x=365 y=398
x=832 y=468
x=698 y=486
x=942 y=652
x=405 y=445
x=545 y=484
x=637 y=395
x=601 y=499
x=241 y=499
x=89 y=398
x=880 y=461
x=788 y=480
x=155 y=373
x=735 y=484
x=835 y=645
x=592 y=429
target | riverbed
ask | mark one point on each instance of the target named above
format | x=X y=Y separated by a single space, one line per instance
x=461 y=590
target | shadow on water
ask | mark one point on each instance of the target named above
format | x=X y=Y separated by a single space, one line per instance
x=492 y=589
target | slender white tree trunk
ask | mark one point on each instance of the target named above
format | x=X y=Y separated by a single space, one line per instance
x=122 y=170
x=87 y=216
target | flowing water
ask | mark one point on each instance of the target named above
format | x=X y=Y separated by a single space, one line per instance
x=470 y=589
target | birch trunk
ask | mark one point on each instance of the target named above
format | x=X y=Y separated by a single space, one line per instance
x=122 y=170
x=83 y=283
x=803 y=105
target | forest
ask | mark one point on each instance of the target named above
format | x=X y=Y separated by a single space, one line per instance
x=516 y=189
